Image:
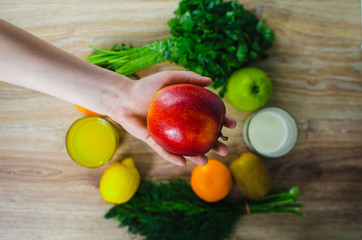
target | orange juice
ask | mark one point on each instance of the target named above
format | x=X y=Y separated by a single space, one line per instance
x=92 y=141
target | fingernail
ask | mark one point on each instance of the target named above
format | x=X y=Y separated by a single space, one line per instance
x=207 y=79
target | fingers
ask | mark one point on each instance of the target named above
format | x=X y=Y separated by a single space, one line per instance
x=173 y=158
x=199 y=160
x=177 y=77
x=176 y=159
x=220 y=148
x=229 y=122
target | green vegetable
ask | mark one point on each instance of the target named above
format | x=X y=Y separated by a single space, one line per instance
x=211 y=37
x=170 y=210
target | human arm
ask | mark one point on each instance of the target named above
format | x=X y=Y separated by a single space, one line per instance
x=30 y=62
x=27 y=61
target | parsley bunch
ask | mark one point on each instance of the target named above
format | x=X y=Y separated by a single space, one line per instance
x=171 y=210
x=211 y=37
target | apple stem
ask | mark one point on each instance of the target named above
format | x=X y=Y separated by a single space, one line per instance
x=224 y=138
x=255 y=89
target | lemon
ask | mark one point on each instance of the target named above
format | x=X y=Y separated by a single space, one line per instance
x=120 y=181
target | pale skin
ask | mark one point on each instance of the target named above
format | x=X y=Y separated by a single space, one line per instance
x=30 y=62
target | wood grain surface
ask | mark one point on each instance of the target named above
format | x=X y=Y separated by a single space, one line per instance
x=316 y=69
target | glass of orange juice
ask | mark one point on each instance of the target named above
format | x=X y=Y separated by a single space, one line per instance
x=92 y=141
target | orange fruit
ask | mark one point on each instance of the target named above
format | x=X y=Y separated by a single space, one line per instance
x=211 y=182
x=87 y=112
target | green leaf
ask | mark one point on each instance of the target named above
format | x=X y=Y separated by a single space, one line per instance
x=241 y=53
x=172 y=22
x=255 y=46
x=230 y=15
x=234 y=35
x=231 y=49
x=186 y=21
x=201 y=49
x=211 y=17
x=269 y=34
x=199 y=70
x=211 y=5
x=253 y=55
x=198 y=13
x=260 y=26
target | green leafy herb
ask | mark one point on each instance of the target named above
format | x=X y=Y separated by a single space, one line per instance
x=211 y=37
x=170 y=210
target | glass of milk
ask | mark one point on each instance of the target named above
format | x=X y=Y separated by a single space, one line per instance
x=271 y=132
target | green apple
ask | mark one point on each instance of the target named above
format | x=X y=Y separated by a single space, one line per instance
x=249 y=89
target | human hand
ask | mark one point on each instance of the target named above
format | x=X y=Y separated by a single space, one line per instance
x=55 y=72
x=131 y=111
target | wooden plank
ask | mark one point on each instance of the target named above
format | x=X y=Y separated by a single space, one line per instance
x=316 y=69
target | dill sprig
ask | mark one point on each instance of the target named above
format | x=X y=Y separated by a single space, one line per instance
x=165 y=210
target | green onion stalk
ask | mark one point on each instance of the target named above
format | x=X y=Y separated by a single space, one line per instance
x=171 y=210
x=128 y=60
x=211 y=37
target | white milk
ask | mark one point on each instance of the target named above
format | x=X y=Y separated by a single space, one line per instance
x=271 y=132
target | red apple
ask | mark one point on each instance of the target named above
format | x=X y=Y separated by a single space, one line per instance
x=186 y=119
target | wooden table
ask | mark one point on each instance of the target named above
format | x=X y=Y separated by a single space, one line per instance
x=316 y=68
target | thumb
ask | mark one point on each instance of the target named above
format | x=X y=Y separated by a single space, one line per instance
x=177 y=77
